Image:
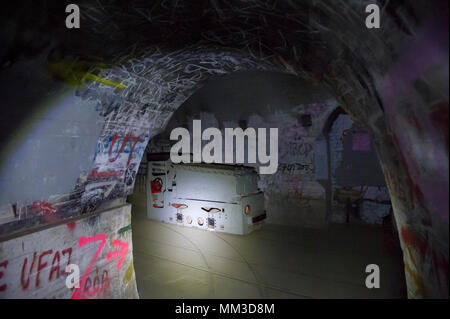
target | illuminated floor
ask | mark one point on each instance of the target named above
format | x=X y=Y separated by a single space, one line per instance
x=275 y=262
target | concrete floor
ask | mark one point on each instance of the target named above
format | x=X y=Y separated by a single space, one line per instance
x=275 y=262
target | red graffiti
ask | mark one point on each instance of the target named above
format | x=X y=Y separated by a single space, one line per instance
x=105 y=174
x=127 y=138
x=122 y=252
x=45 y=207
x=26 y=283
x=78 y=293
x=90 y=284
x=420 y=245
x=67 y=251
x=71 y=225
x=3 y=264
x=56 y=263
x=55 y=266
x=42 y=264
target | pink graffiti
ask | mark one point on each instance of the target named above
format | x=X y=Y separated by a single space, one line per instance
x=78 y=293
x=428 y=49
x=361 y=142
x=122 y=252
x=96 y=286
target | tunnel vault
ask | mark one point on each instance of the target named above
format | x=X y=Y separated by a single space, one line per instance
x=387 y=79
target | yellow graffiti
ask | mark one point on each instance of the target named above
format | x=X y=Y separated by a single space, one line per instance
x=417 y=290
x=75 y=73
x=128 y=272
x=93 y=77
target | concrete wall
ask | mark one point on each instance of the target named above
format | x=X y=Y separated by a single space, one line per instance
x=49 y=134
x=33 y=265
x=415 y=161
x=354 y=165
x=51 y=156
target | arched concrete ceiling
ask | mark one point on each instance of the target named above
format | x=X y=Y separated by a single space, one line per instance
x=140 y=63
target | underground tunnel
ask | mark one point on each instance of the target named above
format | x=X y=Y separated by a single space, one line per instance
x=316 y=150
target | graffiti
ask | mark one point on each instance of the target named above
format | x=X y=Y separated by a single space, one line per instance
x=122 y=252
x=104 y=174
x=72 y=73
x=126 y=139
x=3 y=264
x=82 y=241
x=116 y=163
x=93 y=77
x=142 y=105
x=30 y=268
x=113 y=146
x=160 y=82
x=298 y=151
x=27 y=282
x=419 y=177
x=106 y=182
x=420 y=245
x=90 y=289
x=41 y=265
x=123 y=230
x=40 y=206
x=95 y=192
x=130 y=175
x=55 y=266
x=96 y=286
x=296 y=168
x=71 y=225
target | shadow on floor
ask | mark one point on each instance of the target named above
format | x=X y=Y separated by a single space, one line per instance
x=275 y=262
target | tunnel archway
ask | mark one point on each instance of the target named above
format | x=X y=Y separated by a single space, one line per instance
x=222 y=103
x=364 y=69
